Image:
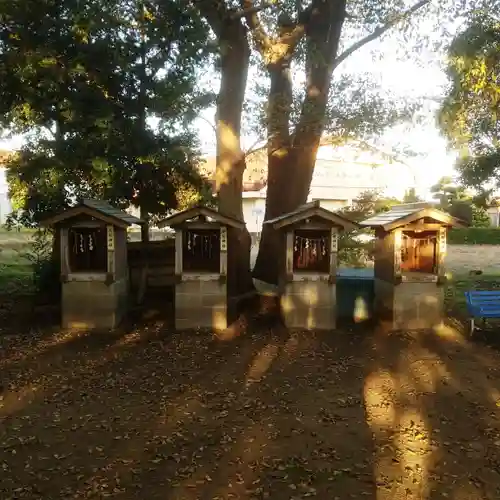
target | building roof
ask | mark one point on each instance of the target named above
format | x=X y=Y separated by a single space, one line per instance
x=197 y=211
x=4 y=155
x=401 y=215
x=108 y=209
x=312 y=209
x=95 y=208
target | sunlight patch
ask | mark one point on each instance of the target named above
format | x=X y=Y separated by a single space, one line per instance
x=379 y=393
x=449 y=333
x=261 y=364
x=15 y=401
x=415 y=446
x=219 y=320
x=360 y=310
x=495 y=397
x=130 y=338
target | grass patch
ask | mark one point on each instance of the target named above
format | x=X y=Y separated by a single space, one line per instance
x=15 y=270
x=459 y=284
x=474 y=236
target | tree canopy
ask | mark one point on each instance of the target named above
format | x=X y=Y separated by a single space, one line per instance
x=458 y=201
x=469 y=116
x=105 y=93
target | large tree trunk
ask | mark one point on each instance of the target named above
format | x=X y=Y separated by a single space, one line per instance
x=290 y=175
x=144 y=215
x=234 y=61
x=235 y=56
x=279 y=154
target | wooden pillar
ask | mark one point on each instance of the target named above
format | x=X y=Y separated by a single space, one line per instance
x=178 y=253
x=441 y=254
x=223 y=251
x=289 y=241
x=64 y=251
x=110 y=234
x=334 y=245
x=398 y=240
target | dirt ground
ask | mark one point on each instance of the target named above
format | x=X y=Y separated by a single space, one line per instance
x=152 y=415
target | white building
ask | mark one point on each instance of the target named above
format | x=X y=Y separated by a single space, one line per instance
x=494 y=214
x=5 y=205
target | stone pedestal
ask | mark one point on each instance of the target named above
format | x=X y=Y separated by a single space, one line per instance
x=200 y=302
x=308 y=269
x=310 y=304
x=94 y=269
x=409 y=305
x=410 y=252
x=201 y=255
x=93 y=305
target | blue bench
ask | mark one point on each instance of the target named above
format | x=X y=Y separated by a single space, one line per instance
x=482 y=304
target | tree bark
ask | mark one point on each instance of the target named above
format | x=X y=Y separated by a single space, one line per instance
x=289 y=177
x=234 y=54
x=235 y=57
x=279 y=154
x=144 y=215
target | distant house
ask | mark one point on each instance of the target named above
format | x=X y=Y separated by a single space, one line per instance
x=493 y=211
x=340 y=176
x=5 y=205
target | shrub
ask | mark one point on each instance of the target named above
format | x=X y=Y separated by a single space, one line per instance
x=354 y=252
x=474 y=236
x=45 y=268
x=480 y=217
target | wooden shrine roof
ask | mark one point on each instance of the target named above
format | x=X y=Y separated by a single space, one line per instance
x=401 y=215
x=200 y=211
x=95 y=208
x=312 y=209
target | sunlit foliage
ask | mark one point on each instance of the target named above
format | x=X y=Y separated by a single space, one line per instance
x=469 y=115
x=105 y=93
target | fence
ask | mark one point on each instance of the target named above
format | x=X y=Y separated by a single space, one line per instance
x=159 y=256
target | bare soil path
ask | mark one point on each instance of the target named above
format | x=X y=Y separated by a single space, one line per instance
x=153 y=415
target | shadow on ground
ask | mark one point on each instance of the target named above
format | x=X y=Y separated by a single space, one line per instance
x=269 y=415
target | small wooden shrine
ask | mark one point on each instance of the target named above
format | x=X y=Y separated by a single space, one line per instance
x=201 y=267
x=309 y=267
x=94 y=268
x=410 y=250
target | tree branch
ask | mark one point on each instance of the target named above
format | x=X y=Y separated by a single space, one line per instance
x=251 y=10
x=304 y=15
x=378 y=32
x=262 y=39
x=47 y=128
x=292 y=38
x=281 y=47
x=215 y=12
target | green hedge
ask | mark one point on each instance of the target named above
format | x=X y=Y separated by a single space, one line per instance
x=474 y=236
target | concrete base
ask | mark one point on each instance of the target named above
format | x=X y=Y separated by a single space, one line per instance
x=410 y=305
x=93 y=305
x=201 y=303
x=309 y=305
